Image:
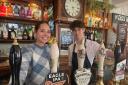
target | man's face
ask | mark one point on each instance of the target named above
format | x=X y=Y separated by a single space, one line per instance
x=78 y=33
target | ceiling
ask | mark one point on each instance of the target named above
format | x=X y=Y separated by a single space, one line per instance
x=115 y=2
x=121 y=7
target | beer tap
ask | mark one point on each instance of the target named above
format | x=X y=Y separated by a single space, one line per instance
x=101 y=57
x=15 y=58
x=54 y=51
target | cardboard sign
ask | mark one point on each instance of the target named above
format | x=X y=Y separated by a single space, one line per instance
x=59 y=78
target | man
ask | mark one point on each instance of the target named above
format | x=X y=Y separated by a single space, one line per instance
x=82 y=51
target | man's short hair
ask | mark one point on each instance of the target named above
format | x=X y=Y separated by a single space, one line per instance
x=78 y=24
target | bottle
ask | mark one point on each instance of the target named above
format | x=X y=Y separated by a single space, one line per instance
x=9 y=11
x=13 y=33
x=5 y=31
x=37 y=13
x=30 y=32
x=29 y=12
x=15 y=58
x=105 y=20
x=25 y=34
x=22 y=11
x=16 y=10
x=2 y=9
x=19 y=32
x=117 y=53
x=89 y=21
x=9 y=32
x=1 y=31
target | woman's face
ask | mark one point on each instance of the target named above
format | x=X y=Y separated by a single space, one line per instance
x=78 y=34
x=43 y=34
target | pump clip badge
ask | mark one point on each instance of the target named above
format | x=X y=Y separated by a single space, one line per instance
x=59 y=78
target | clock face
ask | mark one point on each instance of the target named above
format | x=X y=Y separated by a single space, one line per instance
x=72 y=7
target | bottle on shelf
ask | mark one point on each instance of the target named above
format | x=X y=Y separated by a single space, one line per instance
x=1 y=31
x=13 y=32
x=9 y=31
x=16 y=10
x=28 y=12
x=105 y=20
x=22 y=11
x=9 y=11
x=89 y=23
x=25 y=35
x=19 y=32
x=5 y=31
x=2 y=9
x=30 y=31
x=117 y=53
x=37 y=13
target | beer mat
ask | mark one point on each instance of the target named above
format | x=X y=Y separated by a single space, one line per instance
x=59 y=78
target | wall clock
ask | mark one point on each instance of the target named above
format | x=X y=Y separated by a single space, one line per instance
x=68 y=10
x=72 y=7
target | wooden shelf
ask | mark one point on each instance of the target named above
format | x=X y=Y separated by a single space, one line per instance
x=97 y=28
x=19 y=41
x=17 y=19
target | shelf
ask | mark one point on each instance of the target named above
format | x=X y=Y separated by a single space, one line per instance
x=18 y=18
x=97 y=28
x=19 y=41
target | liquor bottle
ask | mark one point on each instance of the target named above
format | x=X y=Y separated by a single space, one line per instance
x=5 y=31
x=30 y=31
x=22 y=11
x=16 y=10
x=13 y=33
x=2 y=9
x=9 y=32
x=117 y=53
x=105 y=20
x=29 y=12
x=37 y=13
x=1 y=31
x=89 y=21
x=15 y=58
x=25 y=34
x=45 y=14
x=9 y=10
x=19 y=32
x=101 y=22
x=33 y=30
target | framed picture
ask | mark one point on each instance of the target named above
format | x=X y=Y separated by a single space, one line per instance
x=65 y=39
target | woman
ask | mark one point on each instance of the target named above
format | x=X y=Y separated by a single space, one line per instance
x=36 y=57
x=81 y=50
